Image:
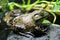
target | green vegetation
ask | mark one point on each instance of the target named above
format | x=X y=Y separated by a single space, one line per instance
x=55 y=8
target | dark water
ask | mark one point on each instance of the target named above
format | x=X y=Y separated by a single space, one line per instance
x=20 y=1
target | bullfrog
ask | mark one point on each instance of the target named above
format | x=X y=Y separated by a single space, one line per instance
x=25 y=22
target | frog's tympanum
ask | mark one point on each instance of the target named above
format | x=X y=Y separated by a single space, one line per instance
x=25 y=22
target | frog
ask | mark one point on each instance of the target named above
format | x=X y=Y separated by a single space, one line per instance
x=25 y=22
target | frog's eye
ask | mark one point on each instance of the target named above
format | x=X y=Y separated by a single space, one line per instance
x=36 y=16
